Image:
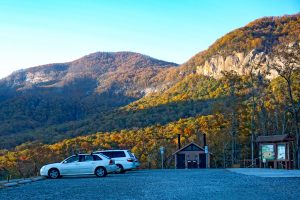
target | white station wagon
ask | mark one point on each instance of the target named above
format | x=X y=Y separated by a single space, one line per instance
x=80 y=164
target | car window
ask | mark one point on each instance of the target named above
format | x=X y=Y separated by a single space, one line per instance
x=95 y=157
x=106 y=153
x=102 y=155
x=85 y=158
x=71 y=159
x=114 y=154
x=81 y=158
x=117 y=154
x=89 y=158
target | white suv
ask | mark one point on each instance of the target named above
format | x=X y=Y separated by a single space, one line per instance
x=124 y=160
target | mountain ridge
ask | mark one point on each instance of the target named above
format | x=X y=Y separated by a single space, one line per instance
x=237 y=48
x=95 y=62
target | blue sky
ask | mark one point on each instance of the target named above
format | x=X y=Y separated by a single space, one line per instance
x=39 y=32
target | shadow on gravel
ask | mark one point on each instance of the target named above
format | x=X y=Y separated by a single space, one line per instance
x=95 y=177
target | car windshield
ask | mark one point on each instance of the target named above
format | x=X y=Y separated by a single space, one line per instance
x=134 y=156
x=130 y=154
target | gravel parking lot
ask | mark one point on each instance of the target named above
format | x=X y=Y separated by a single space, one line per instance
x=160 y=184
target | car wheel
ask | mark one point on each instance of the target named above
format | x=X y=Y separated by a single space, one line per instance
x=120 y=169
x=100 y=172
x=53 y=173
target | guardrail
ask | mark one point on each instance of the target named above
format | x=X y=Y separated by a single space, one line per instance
x=4 y=175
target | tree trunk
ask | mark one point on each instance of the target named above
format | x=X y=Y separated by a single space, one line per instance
x=296 y=123
x=233 y=138
x=277 y=120
x=252 y=132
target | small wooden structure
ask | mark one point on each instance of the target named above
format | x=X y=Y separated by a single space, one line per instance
x=275 y=151
x=190 y=156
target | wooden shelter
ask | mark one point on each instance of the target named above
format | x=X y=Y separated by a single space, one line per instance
x=276 y=151
x=191 y=156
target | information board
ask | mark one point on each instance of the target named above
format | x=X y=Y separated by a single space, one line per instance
x=281 y=152
x=267 y=152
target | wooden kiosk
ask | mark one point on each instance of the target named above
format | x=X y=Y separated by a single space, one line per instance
x=276 y=151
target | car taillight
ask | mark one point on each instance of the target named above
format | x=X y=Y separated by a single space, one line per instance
x=111 y=162
x=130 y=160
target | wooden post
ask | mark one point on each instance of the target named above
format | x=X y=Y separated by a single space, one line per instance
x=259 y=155
x=176 y=161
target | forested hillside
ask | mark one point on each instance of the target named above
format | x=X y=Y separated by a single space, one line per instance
x=145 y=107
x=45 y=96
x=226 y=119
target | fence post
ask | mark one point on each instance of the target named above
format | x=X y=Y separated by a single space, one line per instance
x=8 y=177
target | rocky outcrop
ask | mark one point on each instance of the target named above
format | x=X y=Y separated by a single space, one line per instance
x=243 y=46
x=239 y=62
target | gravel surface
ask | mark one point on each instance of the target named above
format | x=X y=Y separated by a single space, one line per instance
x=160 y=184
